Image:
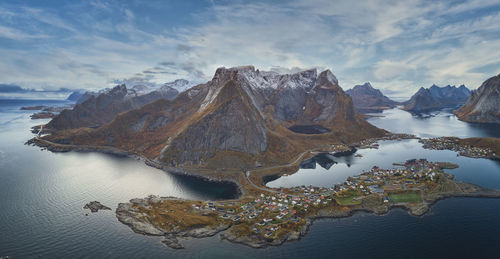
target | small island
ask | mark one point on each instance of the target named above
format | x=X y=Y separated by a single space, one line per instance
x=268 y=218
x=95 y=206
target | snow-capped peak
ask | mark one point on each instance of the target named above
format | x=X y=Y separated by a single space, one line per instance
x=180 y=85
x=268 y=79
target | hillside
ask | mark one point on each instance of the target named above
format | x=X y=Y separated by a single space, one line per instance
x=99 y=109
x=484 y=104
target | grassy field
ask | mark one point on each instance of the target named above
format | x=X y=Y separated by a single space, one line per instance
x=405 y=197
x=346 y=201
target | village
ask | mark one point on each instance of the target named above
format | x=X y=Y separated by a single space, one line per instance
x=454 y=144
x=372 y=142
x=273 y=214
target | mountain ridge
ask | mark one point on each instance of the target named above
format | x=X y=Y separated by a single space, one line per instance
x=484 y=104
x=366 y=98
x=435 y=98
x=239 y=117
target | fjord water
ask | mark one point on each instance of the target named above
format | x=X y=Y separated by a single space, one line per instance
x=42 y=195
x=443 y=123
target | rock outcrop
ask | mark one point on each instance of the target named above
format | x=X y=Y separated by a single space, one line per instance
x=368 y=99
x=484 y=104
x=436 y=98
x=95 y=206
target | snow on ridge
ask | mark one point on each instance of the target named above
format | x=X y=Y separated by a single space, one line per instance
x=180 y=85
x=268 y=79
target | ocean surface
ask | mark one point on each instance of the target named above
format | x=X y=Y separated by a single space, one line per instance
x=42 y=195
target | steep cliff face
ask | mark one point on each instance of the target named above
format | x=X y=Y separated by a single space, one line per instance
x=368 y=99
x=435 y=98
x=242 y=115
x=98 y=109
x=484 y=104
x=233 y=125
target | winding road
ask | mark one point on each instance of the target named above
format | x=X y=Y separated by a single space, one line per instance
x=247 y=173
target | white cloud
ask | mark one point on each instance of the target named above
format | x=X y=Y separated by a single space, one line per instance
x=387 y=70
x=15 y=34
x=399 y=45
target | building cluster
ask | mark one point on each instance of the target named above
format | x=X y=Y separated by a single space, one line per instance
x=455 y=145
x=269 y=212
x=372 y=142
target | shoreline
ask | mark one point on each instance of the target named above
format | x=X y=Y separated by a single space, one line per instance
x=62 y=148
x=130 y=215
x=171 y=239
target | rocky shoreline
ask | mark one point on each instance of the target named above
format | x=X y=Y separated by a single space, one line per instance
x=95 y=206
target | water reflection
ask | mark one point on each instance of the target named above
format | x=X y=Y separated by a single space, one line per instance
x=436 y=124
x=480 y=171
x=324 y=160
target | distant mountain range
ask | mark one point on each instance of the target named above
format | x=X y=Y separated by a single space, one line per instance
x=241 y=116
x=368 y=99
x=10 y=91
x=484 y=103
x=436 y=98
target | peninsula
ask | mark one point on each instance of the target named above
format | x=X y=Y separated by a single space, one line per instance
x=267 y=218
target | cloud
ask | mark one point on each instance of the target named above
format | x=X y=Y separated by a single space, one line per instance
x=399 y=45
x=387 y=70
x=15 y=34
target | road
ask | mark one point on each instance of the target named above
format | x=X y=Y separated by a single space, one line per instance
x=247 y=173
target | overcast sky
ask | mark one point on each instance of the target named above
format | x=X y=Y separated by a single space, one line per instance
x=398 y=46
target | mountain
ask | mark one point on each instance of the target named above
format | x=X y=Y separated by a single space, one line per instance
x=75 y=95
x=97 y=109
x=436 y=98
x=241 y=116
x=368 y=99
x=484 y=103
x=180 y=85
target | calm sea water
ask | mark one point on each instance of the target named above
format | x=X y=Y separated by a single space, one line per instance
x=42 y=195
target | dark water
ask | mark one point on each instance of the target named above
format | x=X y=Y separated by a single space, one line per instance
x=42 y=195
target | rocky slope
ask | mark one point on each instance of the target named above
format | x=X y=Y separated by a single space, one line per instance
x=368 y=99
x=484 y=104
x=74 y=96
x=241 y=116
x=435 y=98
x=98 y=109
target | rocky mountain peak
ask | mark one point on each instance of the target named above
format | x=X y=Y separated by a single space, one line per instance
x=435 y=98
x=368 y=99
x=327 y=77
x=365 y=85
x=483 y=104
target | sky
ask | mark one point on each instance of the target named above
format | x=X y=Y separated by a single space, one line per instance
x=398 y=46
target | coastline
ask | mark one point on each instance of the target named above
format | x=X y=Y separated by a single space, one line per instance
x=130 y=214
x=125 y=214
x=62 y=148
